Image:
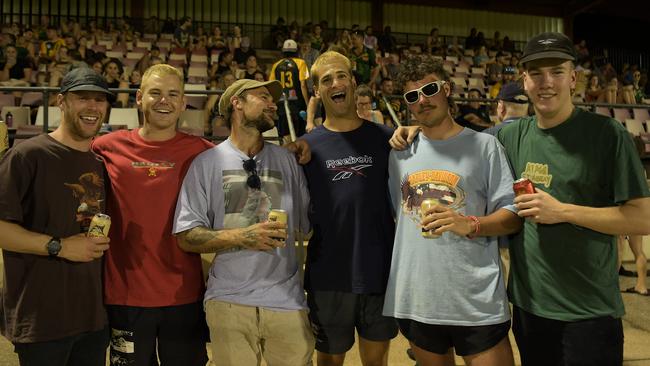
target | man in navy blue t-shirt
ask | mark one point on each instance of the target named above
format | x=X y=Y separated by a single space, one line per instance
x=349 y=254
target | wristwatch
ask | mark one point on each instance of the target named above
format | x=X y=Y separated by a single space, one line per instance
x=53 y=246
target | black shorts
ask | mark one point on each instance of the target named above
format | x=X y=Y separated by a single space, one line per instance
x=466 y=340
x=178 y=333
x=335 y=315
x=589 y=342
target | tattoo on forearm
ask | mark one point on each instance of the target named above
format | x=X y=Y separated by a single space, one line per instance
x=249 y=238
x=200 y=236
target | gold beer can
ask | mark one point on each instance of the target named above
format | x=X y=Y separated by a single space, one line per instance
x=278 y=216
x=424 y=207
x=99 y=225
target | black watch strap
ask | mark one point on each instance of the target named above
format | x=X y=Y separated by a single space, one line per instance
x=53 y=246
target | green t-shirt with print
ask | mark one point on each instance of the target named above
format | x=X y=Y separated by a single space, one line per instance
x=564 y=271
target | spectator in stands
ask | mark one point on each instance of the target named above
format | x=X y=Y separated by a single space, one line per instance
x=365 y=102
x=212 y=117
x=316 y=37
x=225 y=64
x=481 y=58
x=474 y=115
x=307 y=52
x=348 y=256
x=443 y=312
x=243 y=53
x=50 y=46
x=292 y=73
x=582 y=51
x=216 y=41
x=570 y=317
x=508 y=45
x=369 y=40
x=471 y=41
x=254 y=295
x=153 y=289
x=594 y=92
x=235 y=38
x=387 y=42
x=251 y=68
x=480 y=40
x=611 y=91
x=113 y=72
x=59 y=67
x=29 y=43
x=85 y=52
x=344 y=41
x=497 y=43
x=147 y=59
x=455 y=49
x=279 y=32
x=183 y=33
x=389 y=66
x=639 y=94
x=201 y=35
x=14 y=71
x=364 y=64
x=511 y=106
x=50 y=188
x=387 y=93
x=640 y=261
x=434 y=42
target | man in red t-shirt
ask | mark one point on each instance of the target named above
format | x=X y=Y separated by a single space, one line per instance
x=153 y=289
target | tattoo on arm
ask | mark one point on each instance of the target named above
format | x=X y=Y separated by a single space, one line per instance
x=249 y=238
x=200 y=236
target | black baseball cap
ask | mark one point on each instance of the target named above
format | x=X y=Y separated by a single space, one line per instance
x=513 y=93
x=85 y=79
x=549 y=45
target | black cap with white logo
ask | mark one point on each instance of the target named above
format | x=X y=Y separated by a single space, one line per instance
x=549 y=45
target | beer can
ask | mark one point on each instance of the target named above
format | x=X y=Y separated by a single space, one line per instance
x=99 y=225
x=427 y=204
x=523 y=186
x=278 y=216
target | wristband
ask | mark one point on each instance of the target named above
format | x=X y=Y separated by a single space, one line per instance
x=477 y=229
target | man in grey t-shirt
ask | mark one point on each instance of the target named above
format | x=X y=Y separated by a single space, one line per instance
x=255 y=305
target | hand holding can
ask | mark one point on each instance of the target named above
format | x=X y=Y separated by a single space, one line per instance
x=99 y=226
x=425 y=206
x=523 y=186
x=278 y=216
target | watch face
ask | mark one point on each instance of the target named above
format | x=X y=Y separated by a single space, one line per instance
x=54 y=247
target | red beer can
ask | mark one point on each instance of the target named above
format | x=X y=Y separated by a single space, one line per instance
x=523 y=186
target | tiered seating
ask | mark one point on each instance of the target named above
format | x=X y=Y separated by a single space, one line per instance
x=621 y=114
x=124 y=116
x=53 y=115
x=634 y=126
x=21 y=115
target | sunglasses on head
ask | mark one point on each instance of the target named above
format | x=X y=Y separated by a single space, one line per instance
x=253 y=180
x=428 y=90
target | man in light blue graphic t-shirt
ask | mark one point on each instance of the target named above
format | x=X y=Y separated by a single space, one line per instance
x=448 y=291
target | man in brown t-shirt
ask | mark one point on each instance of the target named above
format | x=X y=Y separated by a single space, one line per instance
x=51 y=186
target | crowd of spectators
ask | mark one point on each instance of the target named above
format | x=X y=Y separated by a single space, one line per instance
x=42 y=54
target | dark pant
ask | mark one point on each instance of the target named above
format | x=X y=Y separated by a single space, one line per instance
x=86 y=349
x=180 y=332
x=548 y=342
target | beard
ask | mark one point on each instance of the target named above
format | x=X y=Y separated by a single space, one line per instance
x=262 y=123
x=76 y=130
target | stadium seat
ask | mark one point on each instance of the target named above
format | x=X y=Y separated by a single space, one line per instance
x=642 y=114
x=191 y=120
x=621 y=114
x=197 y=101
x=7 y=100
x=124 y=116
x=21 y=115
x=25 y=132
x=634 y=126
x=53 y=116
x=31 y=99
x=604 y=111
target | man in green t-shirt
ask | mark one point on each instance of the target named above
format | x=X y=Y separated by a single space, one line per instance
x=590 y=187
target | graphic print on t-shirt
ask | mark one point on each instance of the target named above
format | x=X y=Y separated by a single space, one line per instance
x=153 y=167
x=245 y=206
x=440 y=185
x=349 y=166
x=88 y=190
x=538 y=173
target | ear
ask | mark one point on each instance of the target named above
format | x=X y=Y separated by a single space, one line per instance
x=447 y=87
x=184 y=103
x=574 y=78
x=236 y=102
x=60 y=100
x=138 y=98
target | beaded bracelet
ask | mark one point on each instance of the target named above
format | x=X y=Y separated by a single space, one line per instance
x=477 y=229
